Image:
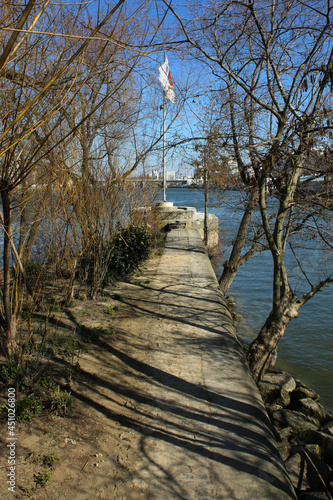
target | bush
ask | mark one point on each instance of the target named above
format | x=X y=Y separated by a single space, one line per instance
x=50 y=459
x=103 y=263
x=27 y=407
x=42 y=477
x=8 y=372
x=131 y=247
x=65 y=345
x=42 y=395
x=36 y=275
x=94 y=264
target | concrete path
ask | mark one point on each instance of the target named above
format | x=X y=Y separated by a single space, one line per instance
x=208 y=435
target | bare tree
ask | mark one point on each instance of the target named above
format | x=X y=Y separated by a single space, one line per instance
x=276 y=58
x=231 y=125
x=46 y=62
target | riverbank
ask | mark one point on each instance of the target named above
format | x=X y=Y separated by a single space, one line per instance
x=303 y=428
x=304 y=433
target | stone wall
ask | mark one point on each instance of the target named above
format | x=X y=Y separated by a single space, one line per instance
x=173 y=217
x=304 y=433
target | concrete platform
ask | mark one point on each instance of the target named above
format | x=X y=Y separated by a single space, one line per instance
x=209 y=436
x=174 y=217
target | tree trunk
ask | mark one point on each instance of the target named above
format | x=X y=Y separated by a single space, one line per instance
x=8 y=320
x=27 y=244
x=262 y=352
x=206 y=207
x=235 y=261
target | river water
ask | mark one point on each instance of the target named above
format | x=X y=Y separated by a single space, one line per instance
x=306 y=350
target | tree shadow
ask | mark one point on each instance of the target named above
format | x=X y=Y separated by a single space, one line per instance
x=222 y=428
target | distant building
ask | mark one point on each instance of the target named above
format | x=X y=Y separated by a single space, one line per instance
x=170 y=175
x=188 y=179
x=198 y=180
x=153 y=174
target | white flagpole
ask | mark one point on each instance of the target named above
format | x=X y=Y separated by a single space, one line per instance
x=168 y=94
x=164 y=176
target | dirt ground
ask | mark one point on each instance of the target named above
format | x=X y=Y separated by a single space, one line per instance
x=97 y=444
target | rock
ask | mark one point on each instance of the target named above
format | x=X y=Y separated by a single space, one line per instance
x=314 y=449
x=317 y=466
x=296 y=420
x=231 y=301
x=272 y=393
x=302 y=391
x=275 y=387
x=309 y=436
x=237 y=318
x=280 y=378
x=285 y=433
x=314 y=495
x=271 y=408
x=305 y=421
x=311 y=408
x=327 y=426
x=284 y=450
x=327 y=430
x=284 y=398
x=325 y=441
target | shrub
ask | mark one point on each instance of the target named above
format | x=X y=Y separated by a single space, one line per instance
x=60 y=401
x=110 y=310
x=65 y=345
x=103 y=263
x=50 y=459
x=8 y=372
x=36 y=273
x=41 y=395
x=27 y=407
x=42 y=478
x=130 y=249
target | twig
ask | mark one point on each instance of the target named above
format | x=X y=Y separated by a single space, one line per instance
x=308 y=458
x=88 y=461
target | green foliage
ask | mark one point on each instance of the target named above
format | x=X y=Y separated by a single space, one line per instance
x=28 y=407
x=96 y=332
x=40 y=395
x=60 y=402
x=47 y=383
x=42 y=477
x=50 y=459
x=110 y=310
x=118 y=296
x=66 y=345
x=54 y=400
x=105 y=262
x=109 y=331
x=131 y=247
x=8 y=372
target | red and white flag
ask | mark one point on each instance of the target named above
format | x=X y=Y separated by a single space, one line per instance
x=164 y=77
